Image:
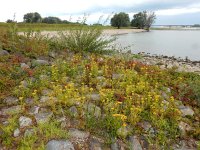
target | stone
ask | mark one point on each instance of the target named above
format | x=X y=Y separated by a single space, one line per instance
x=93 y=110
x=135 y=143
x=184 y=127
x=40 y=62
x=43 y=117
x=24 y=121
x=145 y=125
x=115 y=146
x=77 y=134
x=29 y=101
x=11 y=100
x=186 y=110
x=52 y=54
x=73 y=111
x=44 y=99
x=28 y=132
x=46 y=92
x=94 y=144
x=124 y=131
x=117 y=76
x=59 y=145
x=189 y=144
x=4 y=53
x=24 y=84
x=79 y=138
x=94 y=97
x=16 y=132
x=24 y=66
x=11 y=110
x=100 y=78
x=34 y=110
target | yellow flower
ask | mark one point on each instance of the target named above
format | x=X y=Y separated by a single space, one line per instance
x=124 y=124
x=20 y=98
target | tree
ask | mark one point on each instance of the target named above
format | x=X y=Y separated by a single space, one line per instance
x=51 y=20
x=150 y=19
x=120 y=20
x=143 y=20
x=139 y=20
x=10 y=21
x=32 y=18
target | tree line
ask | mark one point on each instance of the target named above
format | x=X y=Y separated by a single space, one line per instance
x=141 y=20
x=35 y=17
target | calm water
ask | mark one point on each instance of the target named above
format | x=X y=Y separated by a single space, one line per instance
x=170 y=43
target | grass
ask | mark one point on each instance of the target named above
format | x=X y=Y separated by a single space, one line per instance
x=43 y=26
x=130 y=92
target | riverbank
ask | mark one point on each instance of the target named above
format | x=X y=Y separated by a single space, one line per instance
x=107 y=32
x=52 y=97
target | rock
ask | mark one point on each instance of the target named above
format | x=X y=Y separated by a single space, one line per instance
x=16 y=132
x=73 y=111
x=184 y=127
x=93 y=110
x=47 y=99
x=3 y=52
x=135 y=143
x=115 y=146
x=123 y=132
x=52 y=54
x=11 y=110
x=59 y=145
x=186 y=110
x=29 y=101
x=24 y=121
x=46 y=92
x=117 y=76
x=94 y=144
x=28 y=132
x=79 y=138
x=189 y=144
x=146 y=126
x=94 y=97
x=43 y=117
x=24 y=84
x=44 y=77
x=34 y=110
x=119 y=145
x=11 y=100
x=44 y=99
x=40 y=62
x=100 y=78
x=24 y=66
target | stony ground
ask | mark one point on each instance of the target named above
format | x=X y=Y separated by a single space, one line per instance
x=22 y=116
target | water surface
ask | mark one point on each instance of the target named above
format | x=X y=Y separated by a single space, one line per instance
x=178 y=43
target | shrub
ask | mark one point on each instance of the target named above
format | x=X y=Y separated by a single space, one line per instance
x=86 y=39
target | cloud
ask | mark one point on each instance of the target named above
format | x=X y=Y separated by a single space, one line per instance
x=96 y=8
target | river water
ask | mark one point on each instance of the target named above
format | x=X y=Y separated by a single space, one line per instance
x=178 y=43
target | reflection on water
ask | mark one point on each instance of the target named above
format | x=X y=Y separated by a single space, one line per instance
x=164 y=42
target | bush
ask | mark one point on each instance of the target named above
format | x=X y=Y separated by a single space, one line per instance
x=86 y=39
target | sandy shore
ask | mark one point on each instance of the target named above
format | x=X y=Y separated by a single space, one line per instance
x=110 y=32
x=122 y=31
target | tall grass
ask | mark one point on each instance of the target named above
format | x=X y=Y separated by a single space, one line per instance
x=86 y=39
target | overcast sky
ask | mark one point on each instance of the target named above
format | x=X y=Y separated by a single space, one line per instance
x=167 y=11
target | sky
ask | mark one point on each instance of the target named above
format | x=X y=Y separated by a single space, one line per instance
x=168 y=12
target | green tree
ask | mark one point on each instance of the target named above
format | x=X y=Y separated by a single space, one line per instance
x=32 y=17
x=51 y=20
x=143 y=20
x=120 y=20
x=139 y=20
